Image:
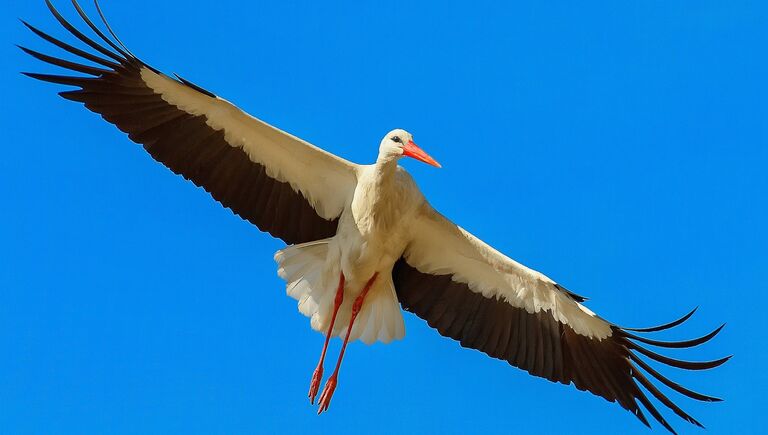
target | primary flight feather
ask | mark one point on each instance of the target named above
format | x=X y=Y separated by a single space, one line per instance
x=363 y=240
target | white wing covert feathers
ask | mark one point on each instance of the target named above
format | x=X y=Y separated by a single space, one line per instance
x=439 y=246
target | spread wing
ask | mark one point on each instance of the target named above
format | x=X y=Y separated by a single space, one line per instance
x=280 y=183
x=472 y=293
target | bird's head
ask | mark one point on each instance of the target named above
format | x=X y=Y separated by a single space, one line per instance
x=398 y=143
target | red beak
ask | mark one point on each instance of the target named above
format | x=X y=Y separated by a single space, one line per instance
x=412 y=150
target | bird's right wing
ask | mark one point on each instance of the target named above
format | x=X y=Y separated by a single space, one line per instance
x=280 y=183
x=473 y=293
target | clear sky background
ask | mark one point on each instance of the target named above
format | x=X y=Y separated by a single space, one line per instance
x=619 y=147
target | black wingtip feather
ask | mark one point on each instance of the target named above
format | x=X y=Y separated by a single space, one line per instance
x=681 y=364
x=79 y=35
x=662 y=398
x=85 y=69
x=641 y=416
x=114 y=35
x=675 y=344
x=673 y=385
x=652 y=409
x=664 y=326
x=74 y=50
x=98 y=31
x=59 y=79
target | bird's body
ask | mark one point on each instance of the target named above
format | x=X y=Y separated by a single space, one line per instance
x=373 y=231
x=362 y=239
x=372 y=234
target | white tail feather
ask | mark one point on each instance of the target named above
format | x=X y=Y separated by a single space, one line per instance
x=312 y=277
x=380 y=319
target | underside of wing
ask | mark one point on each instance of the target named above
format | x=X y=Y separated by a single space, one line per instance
x=471 y=293
x=279 y=183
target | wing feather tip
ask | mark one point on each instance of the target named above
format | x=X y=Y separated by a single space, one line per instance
x=673 y=344
x=666 y=325
x=681 y=364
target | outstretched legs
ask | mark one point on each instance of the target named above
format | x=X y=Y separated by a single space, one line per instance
x=317 y=376
x=330 y=385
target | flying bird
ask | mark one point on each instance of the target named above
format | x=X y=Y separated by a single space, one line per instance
x=362 y=240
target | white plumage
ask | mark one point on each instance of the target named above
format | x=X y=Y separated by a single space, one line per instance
x=311 y=274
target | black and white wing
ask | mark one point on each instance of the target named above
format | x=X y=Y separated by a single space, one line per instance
x=472 y=293
x=280 y=183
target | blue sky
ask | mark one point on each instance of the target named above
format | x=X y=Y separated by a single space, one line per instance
x=619 y=148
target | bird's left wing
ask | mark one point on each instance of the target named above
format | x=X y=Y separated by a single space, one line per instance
x=278 y=182
x=472 y=293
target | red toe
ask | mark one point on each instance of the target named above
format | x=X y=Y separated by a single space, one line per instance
x=314 y=386
x=325 y=397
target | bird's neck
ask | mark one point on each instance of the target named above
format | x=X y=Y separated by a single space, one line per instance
x=378 y=200
x=385 y=168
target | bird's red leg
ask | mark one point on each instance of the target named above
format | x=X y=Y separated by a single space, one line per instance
x=330 y=384
x=317 y=376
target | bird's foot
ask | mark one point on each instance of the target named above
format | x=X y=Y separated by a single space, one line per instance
x=325 y=397
x=314 y=386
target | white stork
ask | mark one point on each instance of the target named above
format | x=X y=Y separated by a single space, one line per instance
x=362 y=238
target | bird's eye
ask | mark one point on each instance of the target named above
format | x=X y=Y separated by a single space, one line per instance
x=397 y=139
